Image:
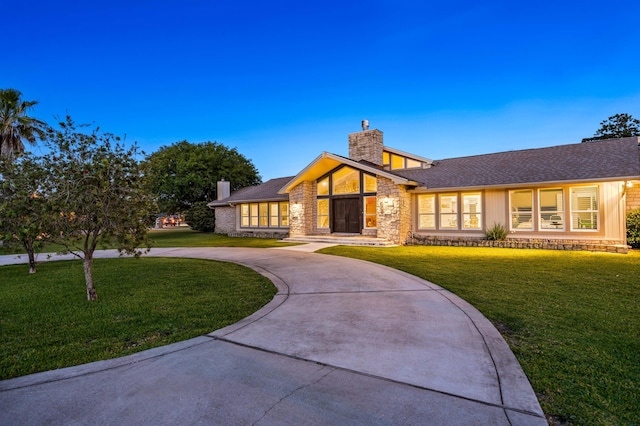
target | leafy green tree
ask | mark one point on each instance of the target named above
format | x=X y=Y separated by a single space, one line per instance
x=15 y=125
x=200 y=217
x=25 y=219
x=184 y=173
x=96 y=188
x=616 y=126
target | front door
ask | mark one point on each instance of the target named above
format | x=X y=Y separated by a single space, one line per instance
x=346 y=215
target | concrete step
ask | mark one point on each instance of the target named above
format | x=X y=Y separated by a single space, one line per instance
x=356 y=240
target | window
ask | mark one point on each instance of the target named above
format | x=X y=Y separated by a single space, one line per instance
x=449 y=211
x=370 y=214
x=386 y=158
x=346 y=181
x=426 y=211
x=274 y=216
x=413 y=163
x=323 y=186
x=244 y=214
x=264 y=215
x=472 y=211
x=551 y=213
x=254 y=215
x=521 y=208
x=323 y=213
x=284 y=214
x=397 y=162
x=584 y=208
x=370 y=183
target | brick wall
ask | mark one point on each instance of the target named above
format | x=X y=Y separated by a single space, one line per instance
x=225 y=219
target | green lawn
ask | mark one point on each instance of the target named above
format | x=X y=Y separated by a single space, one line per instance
x=571 y=318
x=47 y=323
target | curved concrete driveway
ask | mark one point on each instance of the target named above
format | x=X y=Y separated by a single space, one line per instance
x=343 y=342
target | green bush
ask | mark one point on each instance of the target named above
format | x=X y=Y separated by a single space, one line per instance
x=496 y=233
x=201 y=218
x=633 y=228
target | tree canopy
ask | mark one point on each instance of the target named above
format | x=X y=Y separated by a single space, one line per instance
x=25 y=216
x=616 y=126
x=15 y=125
x=184 y=173
x=95 y=186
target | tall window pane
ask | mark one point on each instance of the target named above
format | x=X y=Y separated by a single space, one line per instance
x=323 y=186
x=254 y=214
x=397 y=162
x=370 y=214
x=244 y=214
x=284 y=214
x=323 y=213
x=346 y=181
x=551 y=209
x=426 y=211
x=449 y=211
x=521 y=207
x=584 y=208
x=274 y=215
x=264 y=214
x=370 y=183
x=472 y=211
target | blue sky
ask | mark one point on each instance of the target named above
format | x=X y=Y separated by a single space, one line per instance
x=282 y=81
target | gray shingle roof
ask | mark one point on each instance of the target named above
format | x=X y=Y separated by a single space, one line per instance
x=267 y=191
x=589 y=161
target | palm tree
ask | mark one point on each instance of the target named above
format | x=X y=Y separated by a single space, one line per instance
x=15 y=125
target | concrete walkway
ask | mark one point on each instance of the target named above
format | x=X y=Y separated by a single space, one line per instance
x=343 y=342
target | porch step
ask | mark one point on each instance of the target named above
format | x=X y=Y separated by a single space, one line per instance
x=356 y=240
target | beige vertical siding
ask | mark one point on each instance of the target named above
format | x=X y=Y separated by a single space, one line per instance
x=613 y=213
x=496 y=208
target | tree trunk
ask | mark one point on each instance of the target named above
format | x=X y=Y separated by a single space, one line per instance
x=32 y=262
x=88 y=277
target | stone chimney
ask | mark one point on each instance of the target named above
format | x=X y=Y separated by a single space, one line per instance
x=223 y=189
x=366 y=145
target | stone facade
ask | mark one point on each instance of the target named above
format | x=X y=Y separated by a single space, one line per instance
x=633 y=197
x=521 y=243
x=394 y=211
x=366 y=145
x=302 y=208
x=225 y=220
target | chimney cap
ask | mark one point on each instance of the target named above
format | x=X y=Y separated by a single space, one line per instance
x=365 y=124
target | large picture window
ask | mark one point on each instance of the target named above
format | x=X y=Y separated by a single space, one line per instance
x=472 y=211
x=584 y=208
x=551 y=214
x=346 y=181
x=521 y=209
x=264 y=215
x=426 y=211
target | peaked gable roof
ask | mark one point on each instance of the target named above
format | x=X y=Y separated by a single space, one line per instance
x=267 y=191
x=588 y=161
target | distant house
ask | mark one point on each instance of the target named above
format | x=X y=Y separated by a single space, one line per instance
x=566 y=196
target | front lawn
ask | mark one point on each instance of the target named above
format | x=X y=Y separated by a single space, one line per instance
x=47 y=323
x=571 y=318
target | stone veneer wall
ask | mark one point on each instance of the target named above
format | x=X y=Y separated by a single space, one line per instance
x=225 y=220
x=301 y=209
x=521 y=243
x=394 y=211
x=633 y=197
x=366 y=145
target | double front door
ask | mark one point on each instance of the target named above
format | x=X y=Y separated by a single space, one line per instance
x=346 y=214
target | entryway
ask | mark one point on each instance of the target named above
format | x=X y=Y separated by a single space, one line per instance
x=346 y=215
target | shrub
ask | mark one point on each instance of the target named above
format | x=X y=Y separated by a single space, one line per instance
x=496 y=233
x=633 y=228
x=200 y=217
